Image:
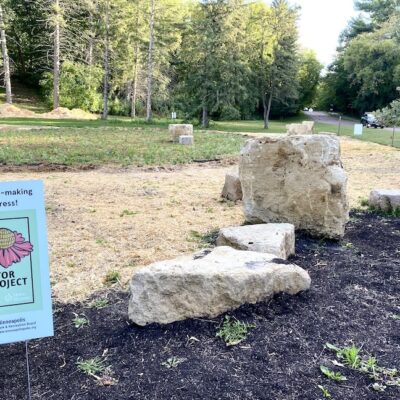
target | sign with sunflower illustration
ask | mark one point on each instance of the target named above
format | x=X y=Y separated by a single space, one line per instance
x=25 y=296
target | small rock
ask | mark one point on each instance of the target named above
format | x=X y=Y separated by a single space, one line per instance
x=177 y=130
x=276 y=239
x=386 y=200
x=186 y=140
x=209 y=284
x=232 y=189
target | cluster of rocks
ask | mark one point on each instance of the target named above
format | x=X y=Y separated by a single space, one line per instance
x=211 y=282
x=181 y=133
x=286 y=182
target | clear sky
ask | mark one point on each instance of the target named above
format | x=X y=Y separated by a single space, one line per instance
x=321 y=23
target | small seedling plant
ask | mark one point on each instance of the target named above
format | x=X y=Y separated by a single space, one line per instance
x=335 y=376
x=98 y=304
x=325 y=392
x=80 y=321
x=352 y=357
x=233 y=331
x=92 y=367
x=96 y=368
x=173 y=362
x=112 y=278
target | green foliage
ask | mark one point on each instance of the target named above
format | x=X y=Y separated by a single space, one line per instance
x=79 y=86
x=366 y=71
x=80 y=321
x=325 y=392
x=173 y=362
x=112 y=278
x=309 y=76
x=92 y=366
x=335 y=376
x=233 y=331
x=99 y=303
x=351 y=356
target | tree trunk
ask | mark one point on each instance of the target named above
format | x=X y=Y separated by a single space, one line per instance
x=150 y=61
x=205 y=122
x=6 y=61
x=91 y=41
x=106 y=64
x=56 y=61
x=134 y=82
x=267 y=108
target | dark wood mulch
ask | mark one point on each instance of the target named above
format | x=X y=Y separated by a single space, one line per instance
x=355 y=297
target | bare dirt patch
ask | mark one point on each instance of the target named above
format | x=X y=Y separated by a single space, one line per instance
x=11 y=111
x=119 y=219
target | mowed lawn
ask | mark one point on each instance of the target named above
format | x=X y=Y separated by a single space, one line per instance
x=111 y=145
x=122 y=141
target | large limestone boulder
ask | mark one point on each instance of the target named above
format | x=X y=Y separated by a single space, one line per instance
x=310 y=126
x=208 y=284
x=232 y=189
x=177 y=130
x=276 y=239
x=295 y=179
x=298 y=129
x=386 y=200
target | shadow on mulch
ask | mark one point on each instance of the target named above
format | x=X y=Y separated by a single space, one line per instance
x=354 y=299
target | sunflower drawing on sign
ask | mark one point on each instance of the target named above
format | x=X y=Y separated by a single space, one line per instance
x=13 y=247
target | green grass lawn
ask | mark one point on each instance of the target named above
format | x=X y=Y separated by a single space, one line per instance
x=122 y=141
x=111 y=145
x=381 y=136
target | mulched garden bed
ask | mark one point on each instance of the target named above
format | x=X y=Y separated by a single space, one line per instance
x=355 y=298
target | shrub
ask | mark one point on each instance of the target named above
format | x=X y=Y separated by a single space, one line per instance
x=79 y=86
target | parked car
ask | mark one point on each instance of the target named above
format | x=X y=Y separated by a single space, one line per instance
x=370 y=121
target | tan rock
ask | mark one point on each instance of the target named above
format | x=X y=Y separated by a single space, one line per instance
x=276 y=239
x=232 y=189
x=177 y=130
x=295 y=179
x=386 y=200
x=207 y=285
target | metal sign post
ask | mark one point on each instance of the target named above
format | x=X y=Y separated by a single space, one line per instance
x=28 y=373
x=340 y=124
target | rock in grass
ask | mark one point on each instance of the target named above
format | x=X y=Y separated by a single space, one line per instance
x=232 y=189
x=208 y=284
x=298 y=129
x=186 y=140
x=276 y=239
x=177 y=130
x=298 y=180
x=386 y=200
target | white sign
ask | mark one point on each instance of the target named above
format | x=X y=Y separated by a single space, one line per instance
x=358 y=130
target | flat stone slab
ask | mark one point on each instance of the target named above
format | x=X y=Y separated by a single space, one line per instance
x=186 y=140
x=276 y=239
x=385 y=199
x=232 y=189
x=208 y=284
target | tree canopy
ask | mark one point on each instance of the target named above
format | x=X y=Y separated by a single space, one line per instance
x=209 y=59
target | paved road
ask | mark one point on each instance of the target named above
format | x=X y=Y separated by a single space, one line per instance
x=325 y=118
